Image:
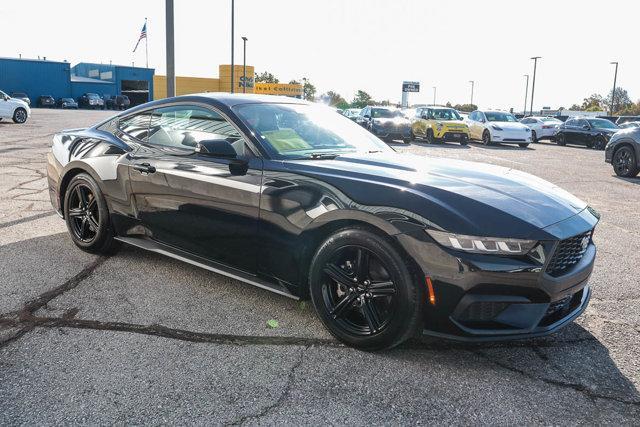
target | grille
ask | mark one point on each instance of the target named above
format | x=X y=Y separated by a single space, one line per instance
x=482 y=311
x=559 y=305
x=568 y=253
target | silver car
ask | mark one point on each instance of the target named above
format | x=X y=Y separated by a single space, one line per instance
x=623 y=152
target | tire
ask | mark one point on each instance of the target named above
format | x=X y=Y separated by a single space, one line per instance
x=534 y=136
x=87 y=216
x=560 y=140
x=407 y=140
x=486 y=138
x=624 y=162
x=378 y=310
x=412 y=137
x=464 y=141
x=600 y=143
x=429 y=136
x=523 y=145
x=20 y=115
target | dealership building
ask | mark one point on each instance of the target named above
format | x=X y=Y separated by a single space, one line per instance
x=38 y=77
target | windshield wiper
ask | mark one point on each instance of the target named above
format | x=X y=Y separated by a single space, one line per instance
x=322 y=156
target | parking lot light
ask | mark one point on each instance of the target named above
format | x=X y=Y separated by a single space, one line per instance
x=526 y=92
x=533 y=85
x=434 y=95
x=613 y=93
x=244 y=66
x=472 y=84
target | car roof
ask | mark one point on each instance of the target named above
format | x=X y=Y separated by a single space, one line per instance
x=231 y=99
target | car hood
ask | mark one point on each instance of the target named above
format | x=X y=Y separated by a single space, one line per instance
x=391 y=120
x=458 y=196
x=509 y=125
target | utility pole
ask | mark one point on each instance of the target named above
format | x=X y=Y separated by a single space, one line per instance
x=244 y=65
x=434 y=95
x=526 y=92
x=232 y=28
x=472 y=84
x=171 y=63
x=533 y=86
x=613 y=94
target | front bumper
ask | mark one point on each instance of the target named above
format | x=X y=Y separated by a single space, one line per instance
x=394 y=132
x=487 y=298
x=453 y=135
x=511 y=137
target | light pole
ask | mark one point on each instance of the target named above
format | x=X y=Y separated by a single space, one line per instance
x=526 y=92
x=244 y=66
x=613 y=94
x=533 y=86
x=232 y=23
x=434 y=95
x=171 y=67
x=472 y=84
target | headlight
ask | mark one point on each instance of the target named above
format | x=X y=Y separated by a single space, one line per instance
x=496 y=127
x=482 y=245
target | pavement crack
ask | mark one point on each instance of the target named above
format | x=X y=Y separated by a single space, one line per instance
x=284 y=394
x=26 y=219
x=580 y=388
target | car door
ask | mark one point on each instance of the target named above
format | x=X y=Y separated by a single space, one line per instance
x=200 y=204
x=582 y=132
x=6 y=109
x=475 y=128
x=569 y=130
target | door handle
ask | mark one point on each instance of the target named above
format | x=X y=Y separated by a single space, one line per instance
x=144 y=168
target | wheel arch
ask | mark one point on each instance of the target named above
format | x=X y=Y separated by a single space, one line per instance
x=628 y=143
x=71 y=170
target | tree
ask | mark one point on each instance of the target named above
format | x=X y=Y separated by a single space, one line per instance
x=466 y=107
x=266 y=77
x=308 y=90
x=593 y=103
x=361 y=100
x=448 y=104
x=575 y=107
x=621 y=101
x=631 y=110
x=294 y=82
x=332 y=98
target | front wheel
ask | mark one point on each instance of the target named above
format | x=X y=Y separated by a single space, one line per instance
x=363 y=291
x=534 y=136
x=464 y=141
x=486 y=138
x=625 y=163
x=600 y=143
x=87 y=216
x=20 y=115
x=429 y=137
x=560 y=139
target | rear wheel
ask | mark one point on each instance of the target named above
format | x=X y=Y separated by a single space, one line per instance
x=363 y=291
x=87 y=216
x=20 y=115
x=625 y=163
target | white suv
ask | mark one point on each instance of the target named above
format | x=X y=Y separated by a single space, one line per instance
x=14 y=109
x=497 y=126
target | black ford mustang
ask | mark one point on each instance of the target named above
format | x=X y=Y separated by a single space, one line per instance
x=299 y=200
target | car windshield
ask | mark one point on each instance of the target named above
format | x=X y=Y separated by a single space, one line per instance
x=550 y=120
x=602 y=123
x=92 y=95
x=446 y=114
x=496 y=116
x=385 y=113
x=298 y=131
x=67 y=100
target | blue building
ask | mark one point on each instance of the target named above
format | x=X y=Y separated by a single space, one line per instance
x=59 y=79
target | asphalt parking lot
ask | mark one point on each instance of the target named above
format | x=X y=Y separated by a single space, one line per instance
x=137 y=338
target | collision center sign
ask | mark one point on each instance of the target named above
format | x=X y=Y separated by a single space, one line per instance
x=411 y=86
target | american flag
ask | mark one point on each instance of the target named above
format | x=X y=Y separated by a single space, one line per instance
x=143 y=34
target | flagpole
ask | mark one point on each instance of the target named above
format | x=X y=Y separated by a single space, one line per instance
x=146 y=42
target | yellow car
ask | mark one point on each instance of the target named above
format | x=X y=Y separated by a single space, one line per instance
x=435 y=124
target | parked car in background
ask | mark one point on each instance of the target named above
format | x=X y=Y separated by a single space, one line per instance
x=627 y=125
x=498 y=127
x=118 y=102
x=67 y=103
x=623 y=152
x=275 y=192
x=351 y=113
x=542 y=127
x=13 y=108
x=90 y=100
x=594 y=133
x=435 y=124
x=387 y=123
x=46 y=101
x=624 y=119
x=21 y=96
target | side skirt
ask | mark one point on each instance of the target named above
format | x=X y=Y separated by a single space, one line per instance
x=172 y=252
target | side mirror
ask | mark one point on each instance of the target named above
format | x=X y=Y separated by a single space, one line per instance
x=366 y=116
x=586 y=127
x=216 y=148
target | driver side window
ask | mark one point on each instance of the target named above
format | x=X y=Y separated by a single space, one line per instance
x=182 y=127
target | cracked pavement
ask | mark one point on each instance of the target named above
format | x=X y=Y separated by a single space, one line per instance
x=137 y=338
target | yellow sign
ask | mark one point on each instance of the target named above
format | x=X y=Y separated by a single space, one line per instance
x=278 y=89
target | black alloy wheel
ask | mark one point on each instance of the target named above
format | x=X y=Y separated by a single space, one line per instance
x=624 y=162
x=486 y=138
x=429 y=136
x=600 y=143
x=83 y=213
x=560 y=140
x=20 y=115
x=87 y=216
x=363 y=292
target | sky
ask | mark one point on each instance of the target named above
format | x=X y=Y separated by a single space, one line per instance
x=346 y=45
